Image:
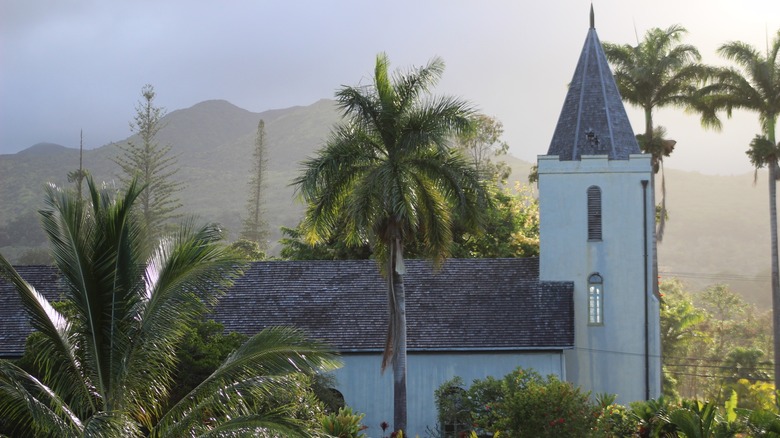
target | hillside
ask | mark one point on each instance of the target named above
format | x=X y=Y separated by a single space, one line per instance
x=717 y=231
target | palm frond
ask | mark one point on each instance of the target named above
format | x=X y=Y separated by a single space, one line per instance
x=56 y=353
x=28 y=404
x=261 y=361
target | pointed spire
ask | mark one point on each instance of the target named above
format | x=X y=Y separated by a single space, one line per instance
x=592 y=17
x=593 y=120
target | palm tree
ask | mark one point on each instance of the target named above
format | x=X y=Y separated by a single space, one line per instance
x=389 y=172
x=105 y=355
x=754 y=86
x=658 y=72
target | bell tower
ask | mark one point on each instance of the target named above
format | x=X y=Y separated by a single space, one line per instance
x=596 y=230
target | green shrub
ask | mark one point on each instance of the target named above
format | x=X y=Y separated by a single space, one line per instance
x=485 y=397
x=343 y=424
x=614 y=420
x=545 y=407
x=522 y=404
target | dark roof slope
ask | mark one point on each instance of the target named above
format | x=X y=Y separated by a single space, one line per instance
x=593 y=120
x=14 y=327
x=468 y=304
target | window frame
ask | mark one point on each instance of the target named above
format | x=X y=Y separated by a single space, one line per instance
x=595 y=299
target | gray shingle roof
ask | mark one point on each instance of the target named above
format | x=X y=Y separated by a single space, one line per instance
x=14 y=327
x=593 y=120
x=468 y=304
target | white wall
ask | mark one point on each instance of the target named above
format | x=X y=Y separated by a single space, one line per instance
x=611 y=357
x=366 y=391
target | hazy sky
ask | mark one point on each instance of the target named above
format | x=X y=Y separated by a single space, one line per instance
x=80 y=64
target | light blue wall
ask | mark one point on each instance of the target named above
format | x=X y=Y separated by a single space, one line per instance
x=366 y=391
x=611 y=357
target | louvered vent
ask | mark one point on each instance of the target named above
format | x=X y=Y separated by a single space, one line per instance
x=594 y=213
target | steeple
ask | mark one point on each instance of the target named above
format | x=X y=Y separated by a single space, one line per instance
x=593 y=120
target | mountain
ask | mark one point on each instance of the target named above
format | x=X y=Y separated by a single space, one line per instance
x=213 y=143
x=717 y=229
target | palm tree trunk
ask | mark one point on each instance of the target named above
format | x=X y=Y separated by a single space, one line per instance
x=775 y=271
x=399 y=364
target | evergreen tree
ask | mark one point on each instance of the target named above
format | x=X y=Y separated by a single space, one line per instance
x=481 y=144
x=78 y=175
x=255 y=226
x=152 y=165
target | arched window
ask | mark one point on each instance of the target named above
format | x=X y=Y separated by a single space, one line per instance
x=594 y=213
x=595 y=300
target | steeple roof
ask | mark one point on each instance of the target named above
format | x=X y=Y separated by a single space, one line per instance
x=593 y=120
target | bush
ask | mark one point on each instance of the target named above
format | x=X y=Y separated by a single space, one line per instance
x=344 y=424
x=521 y=404
x=545 y=407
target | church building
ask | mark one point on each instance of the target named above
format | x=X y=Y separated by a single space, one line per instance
x=585 y=310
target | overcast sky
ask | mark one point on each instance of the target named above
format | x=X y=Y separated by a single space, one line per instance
x=79 y=64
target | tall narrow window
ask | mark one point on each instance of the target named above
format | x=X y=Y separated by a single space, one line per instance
x=594 y=213
x=595 y=300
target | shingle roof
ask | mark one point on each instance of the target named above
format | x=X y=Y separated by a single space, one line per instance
x=466 y=305
x=14 y=327
x=593 y=120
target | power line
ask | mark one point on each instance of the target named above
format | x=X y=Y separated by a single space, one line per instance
x=721 y=277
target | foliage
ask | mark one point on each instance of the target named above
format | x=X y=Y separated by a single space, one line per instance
x=295 y=246
x=712 y=340
x=521 y=404
x=106 y=356
x=653 y=418
x=695 y=419
x=77 y=176
x=613 y=420
x=481 y=144
x=660 y=71
x=151 y=165
x=388 y=172
x=544 y=407
x=323 y=387
x=453 y=407
x=680 y=327
x=249 y=250
x=510 y=228
x=204 y=346
x=763 y=424
x=255 y=226
x=343 y=424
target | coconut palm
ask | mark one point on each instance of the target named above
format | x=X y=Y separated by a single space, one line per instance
x=754 y=85
x=104 y=356
x=389 y=173
x=658 y=72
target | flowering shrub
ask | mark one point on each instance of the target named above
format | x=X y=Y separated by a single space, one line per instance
x=522 y=404
x=545 y=407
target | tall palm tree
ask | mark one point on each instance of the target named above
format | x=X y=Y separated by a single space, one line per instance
x=658 y=72
x=105 y=356
x=389 y=172
x=754 y=85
